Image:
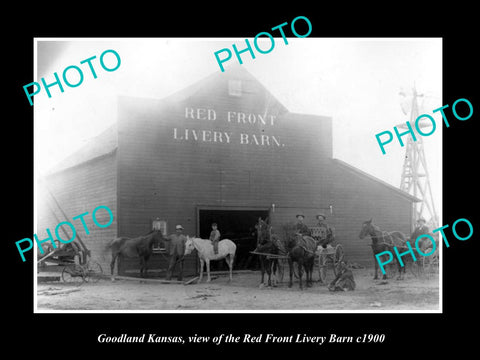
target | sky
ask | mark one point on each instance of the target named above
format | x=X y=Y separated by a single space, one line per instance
x=355 y=81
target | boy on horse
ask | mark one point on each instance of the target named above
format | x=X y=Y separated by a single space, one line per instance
x=215 y=237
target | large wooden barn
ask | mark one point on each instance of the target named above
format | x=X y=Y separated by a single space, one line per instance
x=222 y=150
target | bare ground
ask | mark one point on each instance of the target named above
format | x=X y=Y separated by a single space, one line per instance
x=243 y=293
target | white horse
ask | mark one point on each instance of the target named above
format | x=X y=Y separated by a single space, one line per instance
x=226 y=250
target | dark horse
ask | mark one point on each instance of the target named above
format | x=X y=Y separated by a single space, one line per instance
x=383 y=241
x=266 y=244
x=134 y=247
x=300 y=250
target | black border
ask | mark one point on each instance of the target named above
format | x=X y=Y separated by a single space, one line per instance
x=405 y=333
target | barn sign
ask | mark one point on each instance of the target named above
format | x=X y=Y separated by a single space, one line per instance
x=209 y=117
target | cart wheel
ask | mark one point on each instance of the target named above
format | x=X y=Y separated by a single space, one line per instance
x=337 y=257
x=73 y=274
x=93 y=272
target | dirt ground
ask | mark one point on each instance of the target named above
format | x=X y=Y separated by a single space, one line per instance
x=243 y=293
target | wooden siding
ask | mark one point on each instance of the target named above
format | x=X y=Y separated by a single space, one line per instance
x=78 y=190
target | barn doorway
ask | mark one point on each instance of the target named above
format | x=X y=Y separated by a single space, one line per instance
x=236 y=225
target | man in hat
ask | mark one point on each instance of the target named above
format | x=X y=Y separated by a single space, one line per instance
x=327 y=235
x=344 y=280
x=420 y=229
x=215 y=237
x=301 y=228
x=176 y=250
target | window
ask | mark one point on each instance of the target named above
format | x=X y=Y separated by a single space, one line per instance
x=235 y=87
x=161 y=225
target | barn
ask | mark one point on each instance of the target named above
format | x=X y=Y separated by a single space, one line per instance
x=222 y=150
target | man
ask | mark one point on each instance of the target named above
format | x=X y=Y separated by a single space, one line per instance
x=327 y=235
x=215 y=237
x=344 y=280
x=421 y=229
x=301 y=228
x=176 y=250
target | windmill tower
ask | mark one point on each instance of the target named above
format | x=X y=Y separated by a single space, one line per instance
x=415 y=179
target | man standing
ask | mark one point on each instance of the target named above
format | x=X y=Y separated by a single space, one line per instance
x=301 y=228
x=176 y=250
x=215 y=237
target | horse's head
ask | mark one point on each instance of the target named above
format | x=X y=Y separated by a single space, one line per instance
x=263 y=231
x=367 y=229
x=189 y=247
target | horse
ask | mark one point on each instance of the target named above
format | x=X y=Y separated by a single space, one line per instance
x=301 y=250
x=383 y=241
x=134 y=247
x=269 y=245
x=226 y=250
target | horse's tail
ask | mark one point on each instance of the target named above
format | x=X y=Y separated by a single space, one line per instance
x=110 y=244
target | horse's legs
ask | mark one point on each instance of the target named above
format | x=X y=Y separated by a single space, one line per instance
x=274 y=271
x=142 y=267
x=300 y=273
x=112 y=265
x=201 y=270
x=309 y=271
x=230 y=265
x=376 y=267
x=290 y=266
x=269 y=272
x=207 y=262
x=262 y=268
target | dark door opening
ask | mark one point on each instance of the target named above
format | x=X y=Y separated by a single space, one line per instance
x=238 y=226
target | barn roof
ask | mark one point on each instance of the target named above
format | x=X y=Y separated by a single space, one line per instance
x=367 y=176
x=104 y=143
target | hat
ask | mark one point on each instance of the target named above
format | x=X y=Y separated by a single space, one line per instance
x=214 y=224
x=322 y=215
x=303 y=216
x=179 y=227
x=421 y=219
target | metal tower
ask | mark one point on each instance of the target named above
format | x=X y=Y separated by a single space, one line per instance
x=415 y=178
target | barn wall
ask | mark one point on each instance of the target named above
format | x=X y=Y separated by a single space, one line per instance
x=357 y=199
x=163 y=176
x=78 y=190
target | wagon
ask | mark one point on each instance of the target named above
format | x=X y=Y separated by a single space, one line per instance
x=328 y=257
x=325 y=258
x=74 y=259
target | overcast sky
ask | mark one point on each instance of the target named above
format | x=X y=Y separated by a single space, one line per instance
x=355 y=81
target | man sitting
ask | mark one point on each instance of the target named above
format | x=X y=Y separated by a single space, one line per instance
x=344 y=280
x=301 y=228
